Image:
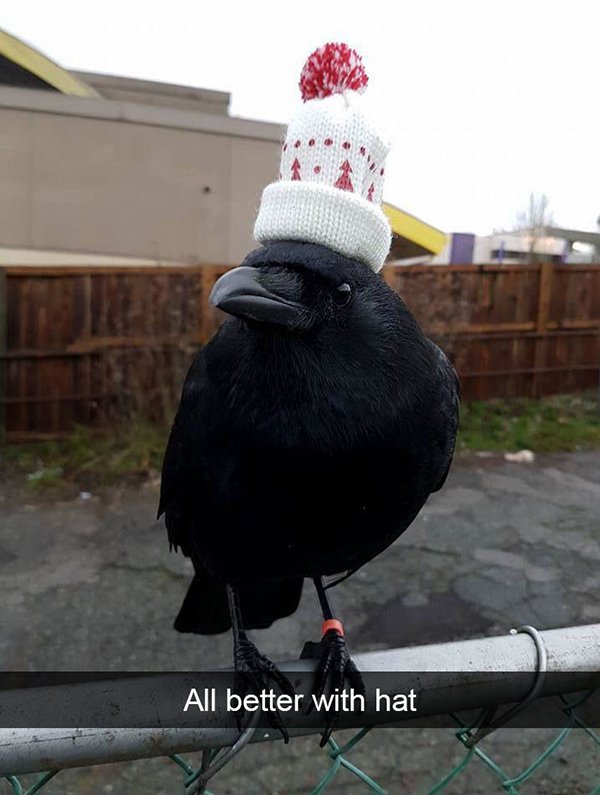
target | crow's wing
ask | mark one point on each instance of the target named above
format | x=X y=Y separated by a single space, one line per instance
x=446 y=376
x=182 y=484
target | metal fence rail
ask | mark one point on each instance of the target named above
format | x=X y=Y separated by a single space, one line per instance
x=461 y=681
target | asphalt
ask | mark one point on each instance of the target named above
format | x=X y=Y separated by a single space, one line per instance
x=90 y=585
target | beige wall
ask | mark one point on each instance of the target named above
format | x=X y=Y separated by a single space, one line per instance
x=94 y=183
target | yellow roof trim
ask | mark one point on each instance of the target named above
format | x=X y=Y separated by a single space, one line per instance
x=37 y=64
x=405 y=225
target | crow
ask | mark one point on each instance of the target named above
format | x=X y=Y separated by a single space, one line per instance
x=311 y=430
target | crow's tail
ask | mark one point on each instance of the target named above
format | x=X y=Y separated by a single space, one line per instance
x=205 y=610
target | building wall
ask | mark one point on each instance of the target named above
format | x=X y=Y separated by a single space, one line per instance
x=515 y=247
x=113 y=178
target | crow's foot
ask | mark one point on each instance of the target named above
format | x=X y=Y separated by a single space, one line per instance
x=255 y=672
x=335 y=665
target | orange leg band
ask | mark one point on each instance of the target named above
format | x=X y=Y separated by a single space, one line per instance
x=333 y=623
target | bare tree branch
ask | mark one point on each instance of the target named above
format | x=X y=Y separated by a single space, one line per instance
x=534 y=221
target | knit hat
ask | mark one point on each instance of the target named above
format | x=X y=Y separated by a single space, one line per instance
x=332 y=165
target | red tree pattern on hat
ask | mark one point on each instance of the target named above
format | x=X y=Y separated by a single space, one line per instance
x=344 y=182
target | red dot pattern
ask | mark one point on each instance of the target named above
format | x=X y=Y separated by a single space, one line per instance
x=328 y=142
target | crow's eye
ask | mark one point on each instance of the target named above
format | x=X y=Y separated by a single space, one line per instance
x=343 y=294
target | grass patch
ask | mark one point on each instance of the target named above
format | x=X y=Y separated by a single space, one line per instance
x=561 y=423
x=88 y=460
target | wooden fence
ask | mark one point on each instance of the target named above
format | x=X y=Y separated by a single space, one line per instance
x=90 y=344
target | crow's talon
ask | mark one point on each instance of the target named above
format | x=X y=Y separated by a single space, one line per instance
x=335 y=665
x=254 y=671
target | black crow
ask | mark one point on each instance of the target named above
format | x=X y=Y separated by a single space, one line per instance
x=310 y=432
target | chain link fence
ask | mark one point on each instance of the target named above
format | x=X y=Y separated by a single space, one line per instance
x=341 y=763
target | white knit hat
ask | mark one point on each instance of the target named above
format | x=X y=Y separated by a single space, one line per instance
x=332 y=166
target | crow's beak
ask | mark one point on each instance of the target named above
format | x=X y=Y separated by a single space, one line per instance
x=239 y=292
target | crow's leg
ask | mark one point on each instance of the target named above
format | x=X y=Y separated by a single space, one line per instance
x=252 y=669
x=334 y=661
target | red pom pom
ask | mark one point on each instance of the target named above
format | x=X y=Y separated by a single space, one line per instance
x=332 y=69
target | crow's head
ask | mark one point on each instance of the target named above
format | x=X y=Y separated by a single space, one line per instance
x=304 y=287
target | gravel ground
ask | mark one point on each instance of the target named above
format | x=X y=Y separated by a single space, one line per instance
x=90 y=585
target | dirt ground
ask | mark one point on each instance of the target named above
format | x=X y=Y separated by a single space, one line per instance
x=90 y=585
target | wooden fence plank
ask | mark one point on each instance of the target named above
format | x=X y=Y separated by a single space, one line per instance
x=546 y=283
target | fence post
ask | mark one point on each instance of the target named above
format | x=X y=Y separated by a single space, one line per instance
x=206 y=322
x=86 y=360
x=543 y=312
x=3 y=348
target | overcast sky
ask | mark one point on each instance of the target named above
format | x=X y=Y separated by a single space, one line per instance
x=484 y=101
